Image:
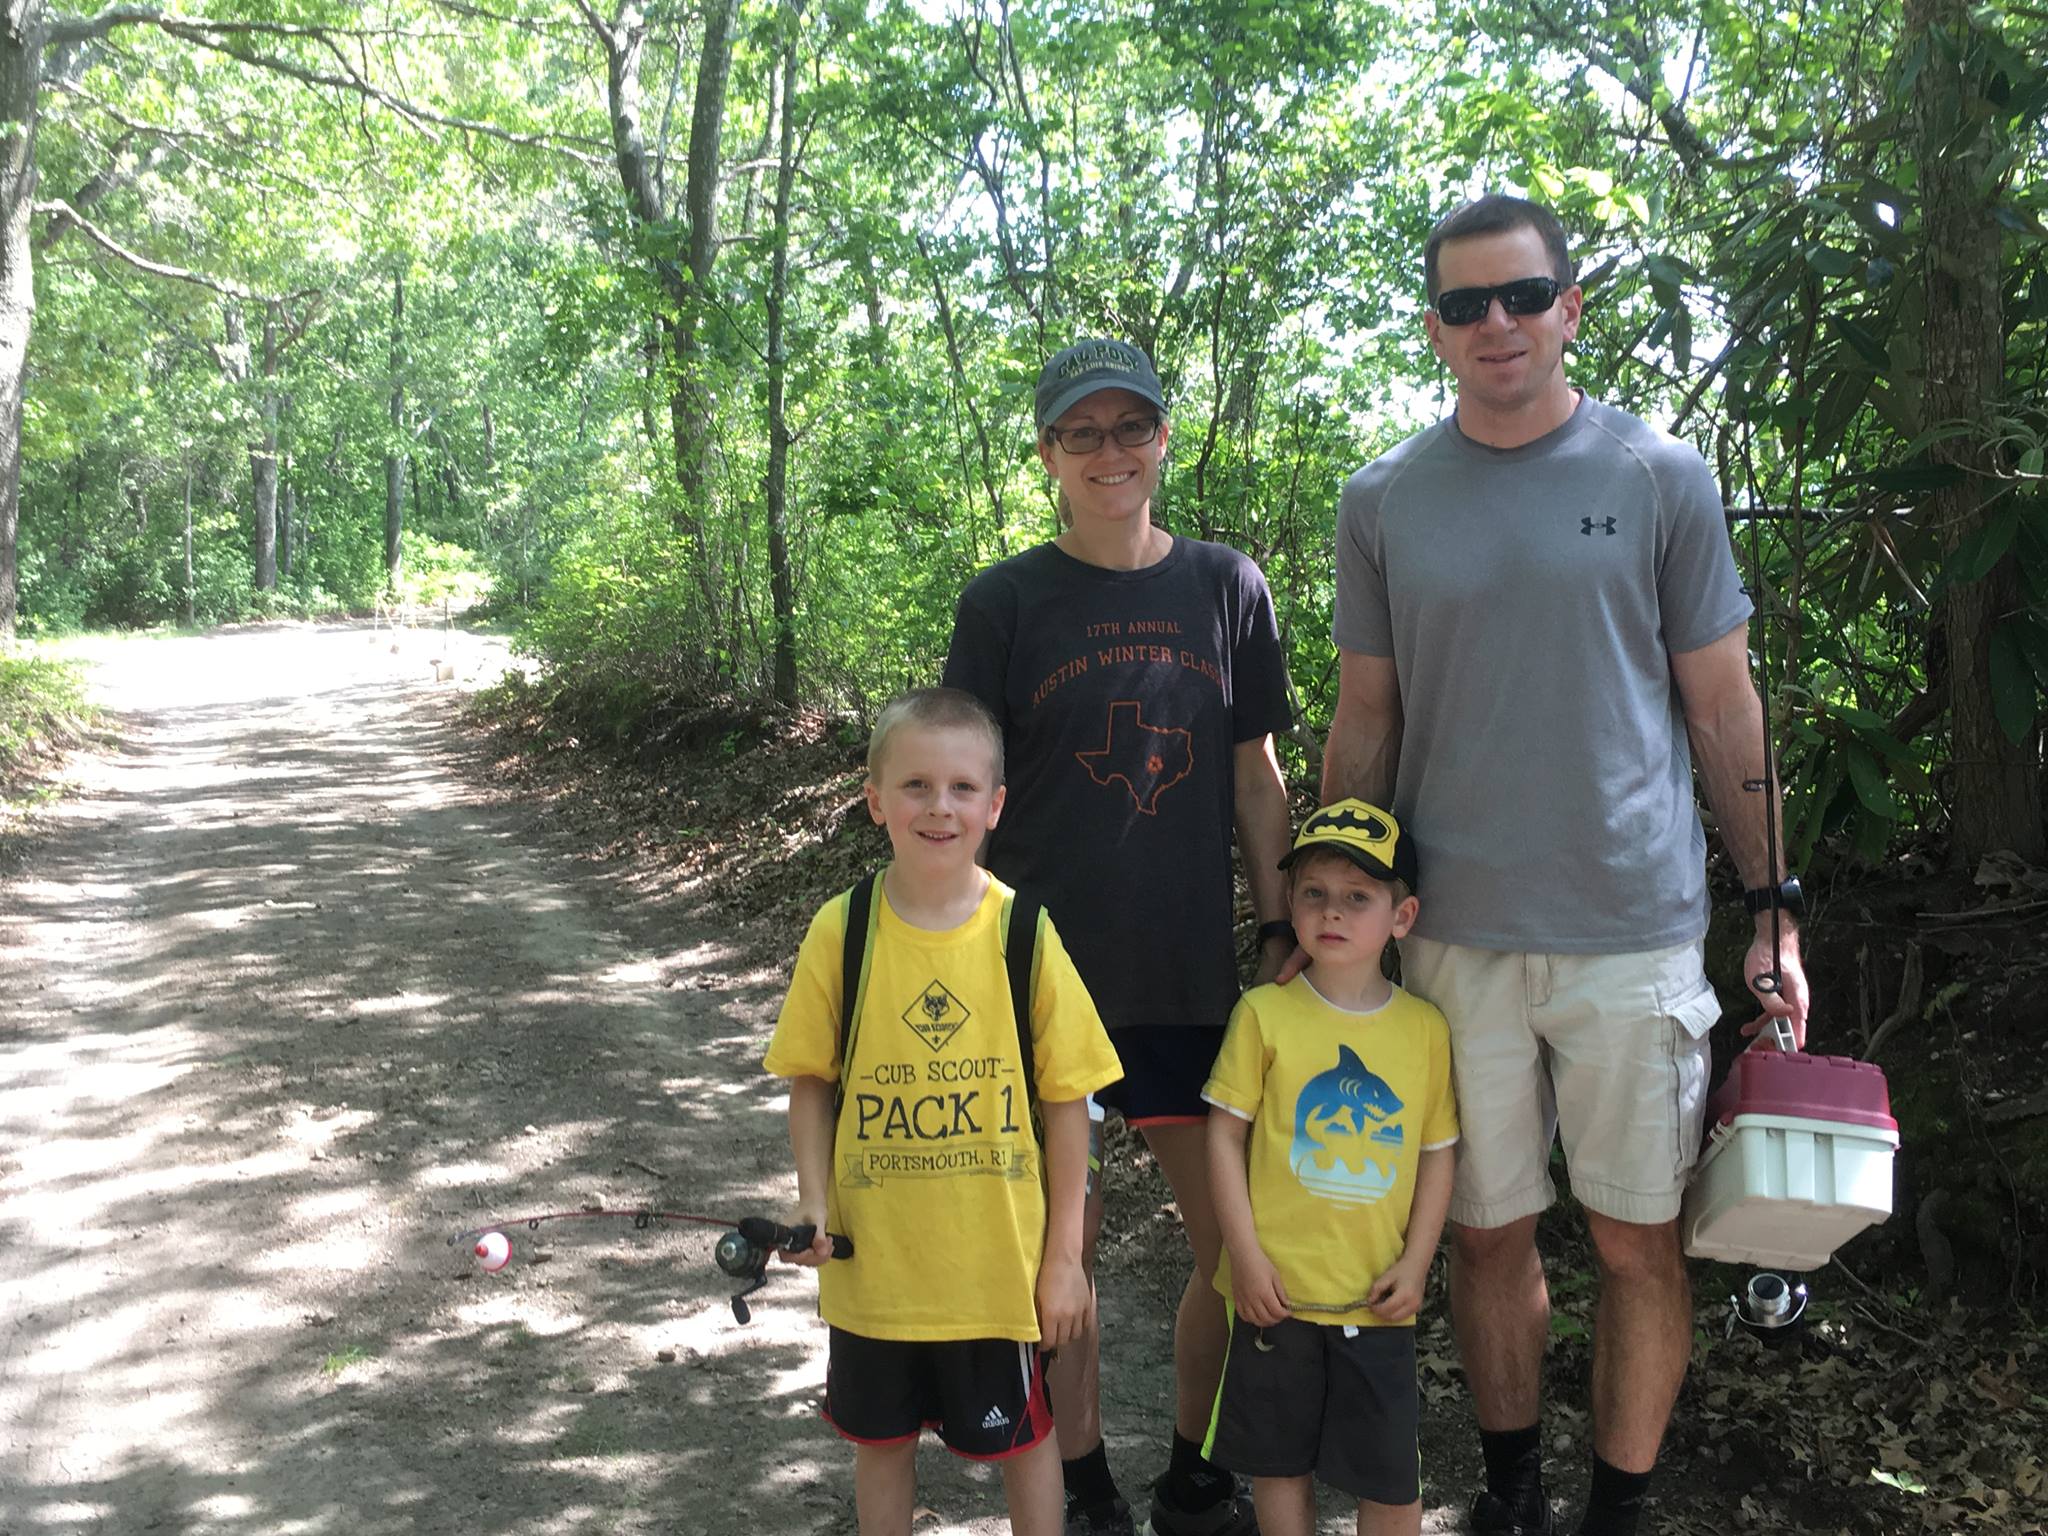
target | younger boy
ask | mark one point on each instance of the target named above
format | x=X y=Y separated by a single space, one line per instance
x=921 y=1148
x=1340 y=1085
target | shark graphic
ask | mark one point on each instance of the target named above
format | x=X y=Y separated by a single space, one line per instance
x=1341 y=1117
x=1150 y=759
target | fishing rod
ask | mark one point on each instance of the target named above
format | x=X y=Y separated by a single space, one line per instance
x=742 y=1252
x=1772 y=981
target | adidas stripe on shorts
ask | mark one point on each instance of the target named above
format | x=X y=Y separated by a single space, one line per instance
x=985 y=1397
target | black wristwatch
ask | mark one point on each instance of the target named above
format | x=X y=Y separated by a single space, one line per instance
x=1278 y=928
x=1787 y=897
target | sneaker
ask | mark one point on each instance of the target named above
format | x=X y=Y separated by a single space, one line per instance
x=1230 y=1515
x=1110 y=1519
x=1493 y=1515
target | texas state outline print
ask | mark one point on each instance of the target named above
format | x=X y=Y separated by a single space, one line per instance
x=1150 y=759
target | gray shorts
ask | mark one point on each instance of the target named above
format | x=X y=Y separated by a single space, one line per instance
x=1608 y=1050
x=1304 y=1398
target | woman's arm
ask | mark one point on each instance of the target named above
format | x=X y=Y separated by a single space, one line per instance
x=1262 y=840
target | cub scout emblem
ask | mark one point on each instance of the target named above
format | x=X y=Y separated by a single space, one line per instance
x=936 y=1016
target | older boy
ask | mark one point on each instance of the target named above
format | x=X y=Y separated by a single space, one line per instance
x=915 y=1136
x=1339 y=1083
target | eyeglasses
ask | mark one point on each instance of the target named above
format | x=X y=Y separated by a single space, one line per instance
x=1524 y=296
x=1134 y=433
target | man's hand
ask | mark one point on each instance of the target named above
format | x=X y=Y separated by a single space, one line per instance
x=1066 y=1302
x=1255 y=1285
x=1789 y=1002
x=820 y=1250
x=1397 y=1295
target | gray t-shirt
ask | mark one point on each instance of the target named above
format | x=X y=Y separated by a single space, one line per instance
x=1531 y=599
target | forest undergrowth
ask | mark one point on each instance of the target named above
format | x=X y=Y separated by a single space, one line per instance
x=1917 y=1400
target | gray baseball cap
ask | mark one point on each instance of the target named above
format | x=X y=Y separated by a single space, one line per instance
x=1087 y=366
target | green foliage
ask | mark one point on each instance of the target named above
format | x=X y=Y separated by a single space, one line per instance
x=1243 y=189
x=42 y=701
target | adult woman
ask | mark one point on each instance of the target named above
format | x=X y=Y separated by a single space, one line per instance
x=1139 y=680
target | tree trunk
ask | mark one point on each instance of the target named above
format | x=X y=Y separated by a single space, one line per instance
x=287 y=535
x=778 y=372
x=263 y=461
x=394 y=461
x=1997 y=782
x=690 y=407
x=190 y=619
x=21 y=68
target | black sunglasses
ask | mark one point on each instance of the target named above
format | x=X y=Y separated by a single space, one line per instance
x=1524 y=296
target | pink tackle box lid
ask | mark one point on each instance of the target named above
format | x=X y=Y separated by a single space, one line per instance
x=1762 y=1081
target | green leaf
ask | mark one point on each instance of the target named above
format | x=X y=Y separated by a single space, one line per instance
x=1867 y=346
x=1982 y=548
x=1829 y=261
x=1910 y=478
x=1867 y=775
x=2014 y=692
x=1905 y=1482
x=1668 y=270
x=2030 y=461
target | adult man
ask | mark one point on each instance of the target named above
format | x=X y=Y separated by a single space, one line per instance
x=1537 y=606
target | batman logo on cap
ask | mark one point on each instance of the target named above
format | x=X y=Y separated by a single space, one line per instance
x=1343 y=817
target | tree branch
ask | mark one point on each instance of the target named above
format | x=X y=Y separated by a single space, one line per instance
x=106 y=242
x=213 y=34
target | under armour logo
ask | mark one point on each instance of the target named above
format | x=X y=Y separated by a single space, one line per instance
x=1588 y=524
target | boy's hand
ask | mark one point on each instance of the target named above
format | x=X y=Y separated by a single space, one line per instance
x=821 y=1241
x=1255 y=1285
x=1397 y=1295
x=1066 y=1302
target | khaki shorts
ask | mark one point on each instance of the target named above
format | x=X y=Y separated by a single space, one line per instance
x=1610 y=1050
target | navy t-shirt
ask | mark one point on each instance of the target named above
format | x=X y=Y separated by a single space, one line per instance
x=1123 y=696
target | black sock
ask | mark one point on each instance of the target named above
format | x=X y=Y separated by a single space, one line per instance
x=1514 y=1466
x=1087 y=1478
x=1616 y=1502
x=1192 y=1480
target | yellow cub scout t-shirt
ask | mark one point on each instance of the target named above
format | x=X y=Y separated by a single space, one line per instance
x=936 y=1173
x=1342 y=1106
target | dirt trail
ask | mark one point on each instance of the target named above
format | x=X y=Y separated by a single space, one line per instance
x=289 y=999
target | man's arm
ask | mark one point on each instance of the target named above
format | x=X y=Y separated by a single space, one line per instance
x=1262 y=840
x=1724 y=719
x=1365 y=730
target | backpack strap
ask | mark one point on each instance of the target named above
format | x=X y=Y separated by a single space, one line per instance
x=1021 y=920
x=863 y=915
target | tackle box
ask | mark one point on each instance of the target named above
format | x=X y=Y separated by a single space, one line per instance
x=1797 y=1160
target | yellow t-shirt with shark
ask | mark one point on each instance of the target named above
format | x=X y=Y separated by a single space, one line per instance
x=1342 y=1107
x=936 y=1172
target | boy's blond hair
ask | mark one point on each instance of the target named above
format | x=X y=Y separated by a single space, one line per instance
x=936 y=709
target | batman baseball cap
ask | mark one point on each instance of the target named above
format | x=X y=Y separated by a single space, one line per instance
x=1366 y=835
x=1078 y=372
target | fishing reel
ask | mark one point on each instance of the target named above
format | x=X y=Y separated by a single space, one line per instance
x=744 y=1252
x=1770 y=1308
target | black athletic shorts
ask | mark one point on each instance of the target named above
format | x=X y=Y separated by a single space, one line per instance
x=1300 y=1398
x=1164 y=1072
x=985 y=1397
